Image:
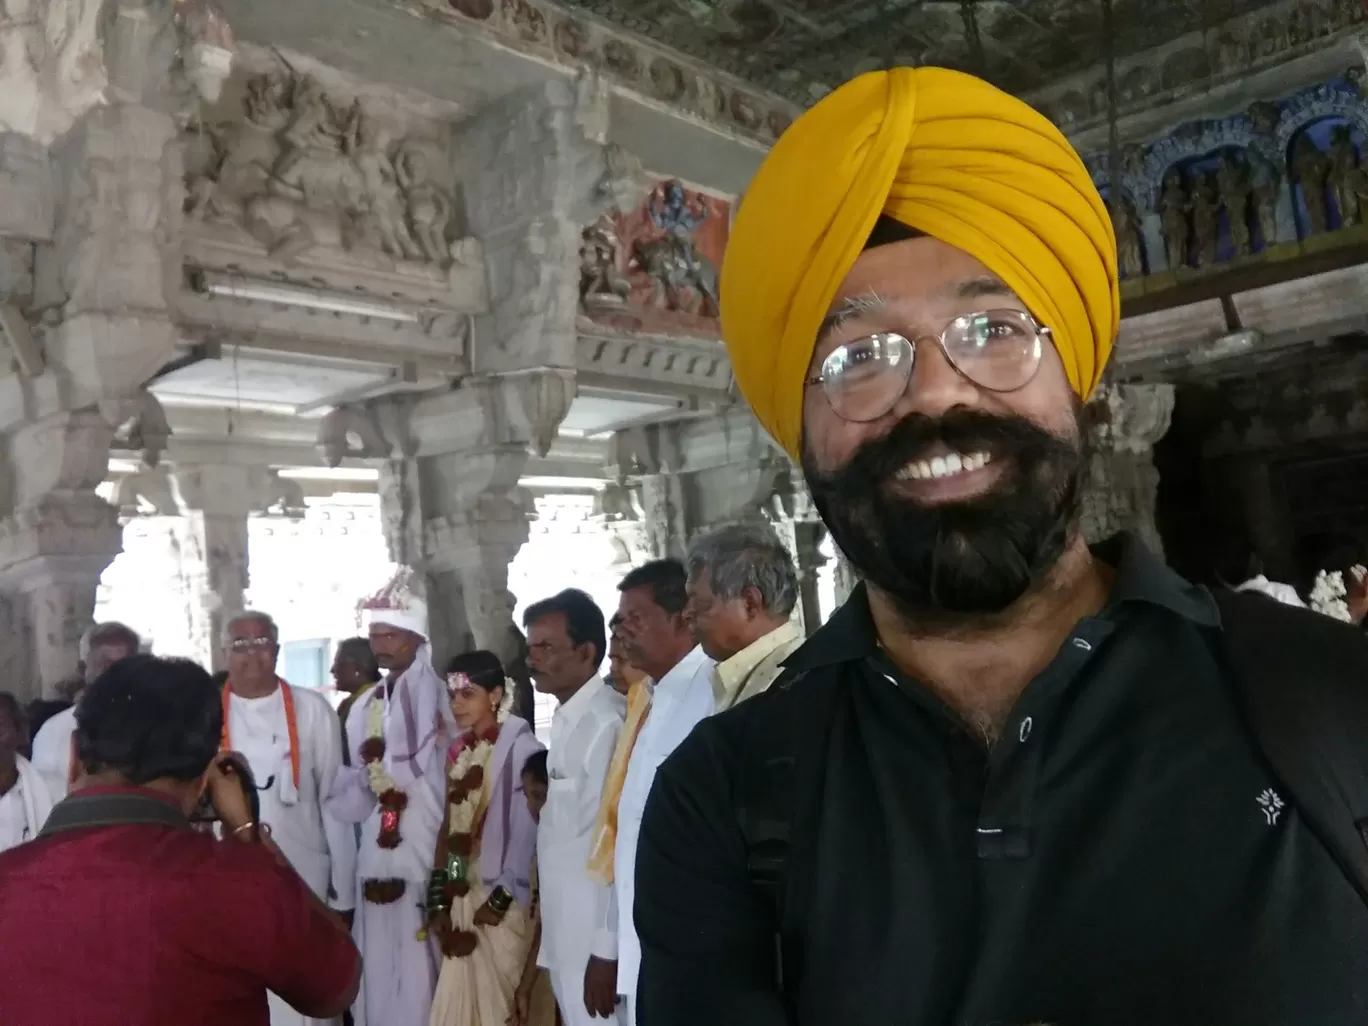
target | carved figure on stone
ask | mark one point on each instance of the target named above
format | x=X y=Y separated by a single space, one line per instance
x=298 y=171
x=670 y=210
x=1205 y=210
x=1264 y=182
x=1233 y=186
x=379 y=218
x=1173 y=220
x=241 y=155
x=429 y=208
x=682 y=278
x=1347 y=177
x=1129 y=249
x=52 y=69
x=1311 y=170
x=601 y=283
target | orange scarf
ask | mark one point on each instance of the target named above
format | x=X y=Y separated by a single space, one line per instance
x=290 y=726
x=605 y=826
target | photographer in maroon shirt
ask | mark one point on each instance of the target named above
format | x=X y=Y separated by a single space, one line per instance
x=120 y=914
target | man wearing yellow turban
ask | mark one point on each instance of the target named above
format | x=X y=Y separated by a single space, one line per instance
x=1006 y=782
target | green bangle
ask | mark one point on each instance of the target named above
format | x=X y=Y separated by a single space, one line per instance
x=500 y=900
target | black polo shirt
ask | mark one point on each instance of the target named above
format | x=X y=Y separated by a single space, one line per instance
x=1121 y=856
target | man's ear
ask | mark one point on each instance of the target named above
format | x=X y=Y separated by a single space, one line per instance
x=752 y=602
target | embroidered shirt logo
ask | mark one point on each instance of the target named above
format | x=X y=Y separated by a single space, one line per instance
x=1271 y=804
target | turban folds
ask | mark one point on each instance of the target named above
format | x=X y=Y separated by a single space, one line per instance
x=939 y=151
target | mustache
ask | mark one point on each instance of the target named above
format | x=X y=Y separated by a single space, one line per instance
x=960 y=430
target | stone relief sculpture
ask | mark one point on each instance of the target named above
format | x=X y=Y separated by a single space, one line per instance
x=1173 y=210
x=1265 y=182
x=299 y=170
x=1205 y=209
x=52 y=67
x=1129 y=245
x=1348 y=180
x=1311 y=170
x=683 y=278
x=1233 y=188
x=601 y=283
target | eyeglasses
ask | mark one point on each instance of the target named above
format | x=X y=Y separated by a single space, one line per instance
x=250 y=644
x=998 y=350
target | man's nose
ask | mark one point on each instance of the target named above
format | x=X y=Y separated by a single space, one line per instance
x=935 y=387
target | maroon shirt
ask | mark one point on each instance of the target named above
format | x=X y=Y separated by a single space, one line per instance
x=149 y=925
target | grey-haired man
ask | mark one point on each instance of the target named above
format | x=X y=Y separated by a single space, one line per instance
x=742 y=589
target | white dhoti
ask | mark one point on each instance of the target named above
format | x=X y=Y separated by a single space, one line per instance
x=569 y=991
x=399 y=971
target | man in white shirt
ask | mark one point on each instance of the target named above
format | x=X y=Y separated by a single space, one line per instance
x=24 y=800
x=566 y=641
x=658 y=641
x=102 y=646
x=292 y=741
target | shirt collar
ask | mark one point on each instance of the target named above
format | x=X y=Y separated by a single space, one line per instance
x=577 y=705
x=731 y=672
x=1141 y=579
x=682 y=670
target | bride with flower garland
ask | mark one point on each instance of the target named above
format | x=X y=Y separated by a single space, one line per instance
x=479 y=896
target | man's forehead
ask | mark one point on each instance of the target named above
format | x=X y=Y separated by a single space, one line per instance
x=243 y=629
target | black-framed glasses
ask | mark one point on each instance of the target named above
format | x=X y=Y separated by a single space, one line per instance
x=998 y=350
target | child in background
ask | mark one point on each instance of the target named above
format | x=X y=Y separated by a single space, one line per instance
x=533 y=1004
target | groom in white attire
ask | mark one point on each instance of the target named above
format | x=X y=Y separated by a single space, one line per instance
x=292 y=741
x=398 y=732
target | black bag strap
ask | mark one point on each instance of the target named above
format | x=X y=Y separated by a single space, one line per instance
x=782 y=772
x=1303 y=680
x=82 y=811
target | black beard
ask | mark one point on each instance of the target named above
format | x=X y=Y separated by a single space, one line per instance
x=951 y=564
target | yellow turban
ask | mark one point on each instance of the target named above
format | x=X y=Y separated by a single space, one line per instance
x=939 y=151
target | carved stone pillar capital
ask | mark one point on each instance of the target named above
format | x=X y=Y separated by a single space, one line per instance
x=1124 y=422
x=1129 y=418
x=467 y=552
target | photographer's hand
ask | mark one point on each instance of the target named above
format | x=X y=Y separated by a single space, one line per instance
x=228 y=794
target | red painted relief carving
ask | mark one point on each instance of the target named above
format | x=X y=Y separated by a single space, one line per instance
x=655 y=269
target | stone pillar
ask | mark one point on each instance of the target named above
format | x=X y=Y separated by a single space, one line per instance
x=215 y=501
x=846 y=578
x=1124 y=422
x=103 y=222
x=55 y=544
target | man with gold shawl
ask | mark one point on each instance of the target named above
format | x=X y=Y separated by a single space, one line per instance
x=1007 y=782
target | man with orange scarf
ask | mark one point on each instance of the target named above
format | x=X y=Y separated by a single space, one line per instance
x=291 y=740
x=1010 y=780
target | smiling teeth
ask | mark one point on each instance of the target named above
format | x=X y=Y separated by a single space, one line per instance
x=943 y=466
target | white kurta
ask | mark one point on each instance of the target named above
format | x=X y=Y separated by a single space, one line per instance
x=679 y=700
x=24 y=807
x=400 y=972
x=321 y=849
x=574 y=906
x=52 y=752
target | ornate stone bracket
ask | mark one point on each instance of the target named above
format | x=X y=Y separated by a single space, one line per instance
x=140 y=425
x=1124 y=423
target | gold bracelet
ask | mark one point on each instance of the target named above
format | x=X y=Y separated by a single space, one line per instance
x=262 y=829
x=245 y=826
